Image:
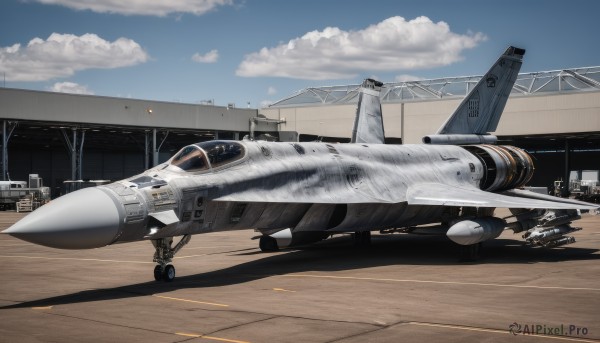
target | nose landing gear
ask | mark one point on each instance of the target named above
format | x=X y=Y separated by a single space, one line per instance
x=163 y=256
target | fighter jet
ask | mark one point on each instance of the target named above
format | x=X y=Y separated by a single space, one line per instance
x=301 y=193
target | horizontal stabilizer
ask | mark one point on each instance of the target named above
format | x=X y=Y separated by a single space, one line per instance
x=445 y=195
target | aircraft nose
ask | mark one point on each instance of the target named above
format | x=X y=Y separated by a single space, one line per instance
x=87 y=218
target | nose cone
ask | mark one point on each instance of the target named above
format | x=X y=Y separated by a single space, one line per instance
x=84 y=219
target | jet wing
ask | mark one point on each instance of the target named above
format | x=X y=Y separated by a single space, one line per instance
x=533 y=195
x=446 y=195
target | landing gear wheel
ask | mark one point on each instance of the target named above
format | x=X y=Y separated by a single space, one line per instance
x=158 y=270
x=163 y=256
x=470 y=253
x=267 y=244
x=168 y=273
x=362 y=239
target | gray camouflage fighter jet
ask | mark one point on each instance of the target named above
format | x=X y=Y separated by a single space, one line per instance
x=299 y=193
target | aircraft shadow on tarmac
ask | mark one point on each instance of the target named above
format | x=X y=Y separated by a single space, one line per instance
x=332 y=255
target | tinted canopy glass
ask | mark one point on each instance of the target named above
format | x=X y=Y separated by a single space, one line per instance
x=202 y=156
x=220 y=153
x=191 y=158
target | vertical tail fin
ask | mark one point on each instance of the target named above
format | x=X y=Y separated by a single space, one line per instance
x=481 y=109
x=368 y=123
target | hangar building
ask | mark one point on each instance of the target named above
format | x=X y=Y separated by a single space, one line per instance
x=554 y=115
x=72 y=137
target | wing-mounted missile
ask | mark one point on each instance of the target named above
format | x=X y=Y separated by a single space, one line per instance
x=546 y=228
x=551 y=237
x=479 y=112
x=558 y=217
x=525 y=219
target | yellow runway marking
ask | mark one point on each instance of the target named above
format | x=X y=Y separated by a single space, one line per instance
x=209 y=337
x=283 y=290
x=441 y=282
x=42 y=308
x=71 y=258
x=190 y=301
x=456 y=327
x=190 y=256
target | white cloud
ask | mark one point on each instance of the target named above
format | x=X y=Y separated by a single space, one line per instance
x=61 y=55
x=406 y=77
x=70 y=87
x=159 y=8
x=210 y=57
x=393 y=44
x=265 y=103
x=271 y=91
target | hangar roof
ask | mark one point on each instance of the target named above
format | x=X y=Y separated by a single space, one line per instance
x=557 y=81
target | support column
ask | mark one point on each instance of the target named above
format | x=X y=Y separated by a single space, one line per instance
x=146 y=152
x=565 y=189
x=76 y=152
x=154 y=151
x=155 y=148
x=4 y=151
x=7 y=130
x=73 y=147
x=402 y=124
x=80 y=157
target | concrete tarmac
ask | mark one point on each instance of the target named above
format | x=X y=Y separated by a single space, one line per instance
x=403 y=288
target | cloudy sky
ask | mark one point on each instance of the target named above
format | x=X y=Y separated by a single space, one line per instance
x=259 y=51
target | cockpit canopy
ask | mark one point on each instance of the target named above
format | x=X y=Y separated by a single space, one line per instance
x=206 y=155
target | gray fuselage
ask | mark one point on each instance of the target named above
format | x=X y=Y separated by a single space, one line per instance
x=302 y=186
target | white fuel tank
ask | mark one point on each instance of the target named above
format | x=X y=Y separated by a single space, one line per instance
x=473 y=231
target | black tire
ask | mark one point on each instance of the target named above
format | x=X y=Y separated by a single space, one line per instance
x=267 y=244
x=366 y=239
x=470 y=253
x=362 y=239
x=158 y=273
x=168 y=273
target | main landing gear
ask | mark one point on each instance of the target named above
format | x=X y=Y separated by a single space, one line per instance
x=362 y=239
x=267 y=243
x=471 y=252
x=163 y=256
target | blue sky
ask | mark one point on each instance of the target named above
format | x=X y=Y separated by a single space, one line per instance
x=260 y=51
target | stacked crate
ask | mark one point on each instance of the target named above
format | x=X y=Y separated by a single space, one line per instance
x=25 y=204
